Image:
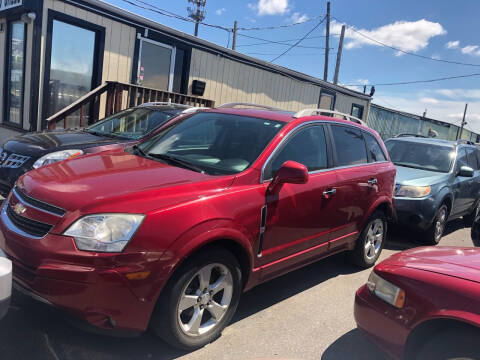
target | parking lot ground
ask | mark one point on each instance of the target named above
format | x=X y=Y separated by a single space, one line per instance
x=307 y=314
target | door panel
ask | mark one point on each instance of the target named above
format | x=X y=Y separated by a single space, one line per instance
x=299 y=215
x=462 y=187
x=155 y=68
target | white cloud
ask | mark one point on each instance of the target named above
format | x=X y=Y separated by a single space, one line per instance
x=452 y=44
x=464 y=94
x=363 y=81
x=270 y=7
x=220 y=11
x=429 y=100
x=298 y=18
x=469 y=49
x=405 y=35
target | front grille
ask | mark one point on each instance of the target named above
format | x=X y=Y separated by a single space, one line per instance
x=29 y=226
x=37 y=203
x=13 y=161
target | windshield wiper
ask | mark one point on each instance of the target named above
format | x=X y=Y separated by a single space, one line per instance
x=177 y=161
x=137 y=149
x=109 y=135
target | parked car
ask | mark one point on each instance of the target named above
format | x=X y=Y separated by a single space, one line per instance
x=33 y=150
x=437 y=181
x=424 y=303
x=5 y=283
x=172 y=231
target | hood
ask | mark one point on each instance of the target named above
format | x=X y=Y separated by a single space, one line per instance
x=453 y=261
x=117 y=181
x=41 y=143
x=418 y=177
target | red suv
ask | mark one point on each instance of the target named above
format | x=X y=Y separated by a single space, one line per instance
x=171 y=232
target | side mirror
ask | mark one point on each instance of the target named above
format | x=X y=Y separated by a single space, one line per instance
x=291 y=172
x=465 y=171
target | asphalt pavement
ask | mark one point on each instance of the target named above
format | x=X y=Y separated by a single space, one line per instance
x=306 y=314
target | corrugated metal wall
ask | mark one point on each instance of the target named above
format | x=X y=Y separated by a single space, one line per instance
x=232 y=81
x=389 y=123
x=119 y=42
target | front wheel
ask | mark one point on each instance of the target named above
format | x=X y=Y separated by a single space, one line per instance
x=435 y=233
x=370 y=242
x=199 y=301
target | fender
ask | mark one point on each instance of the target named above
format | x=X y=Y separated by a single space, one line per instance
x=206 y=233
x=380 y=200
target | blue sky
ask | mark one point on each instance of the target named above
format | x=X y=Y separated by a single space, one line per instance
x=434 y=28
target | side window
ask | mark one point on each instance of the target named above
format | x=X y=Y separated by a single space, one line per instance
x=472 y=159
x=307 y=147
x=375 y=152
x=350 y=146
x=462 y=159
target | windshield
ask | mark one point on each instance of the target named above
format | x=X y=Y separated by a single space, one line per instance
x=132 y=123
x=421 y=156
x=215 y=143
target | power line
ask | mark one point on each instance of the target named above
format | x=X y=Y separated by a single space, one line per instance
x=418 y=81
x=163 y=12
x=269 y=54
x=300 y=40
x=281 y=26
x=406 y=52
x=267 y=41
x=285 y=42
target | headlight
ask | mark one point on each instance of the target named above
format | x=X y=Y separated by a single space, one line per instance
x=104 y=232
x=413 y=191
x=386 y=291
x=56 y=156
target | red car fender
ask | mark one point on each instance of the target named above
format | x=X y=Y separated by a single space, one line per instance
x=447 y=314
x=380 y=201
x=204 y=234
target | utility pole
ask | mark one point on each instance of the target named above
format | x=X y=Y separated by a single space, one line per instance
x=234 y=41
x=339 y=55
x=327 y=44
x=459 y=136
x=197 y=12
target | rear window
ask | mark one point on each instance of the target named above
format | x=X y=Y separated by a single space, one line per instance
x=350 y=146
x=375 y=151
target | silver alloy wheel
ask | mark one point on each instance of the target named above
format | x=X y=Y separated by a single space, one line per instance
x=374 y=238
x=440 y=223
x=205 y=299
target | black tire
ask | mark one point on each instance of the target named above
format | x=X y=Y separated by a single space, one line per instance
x=360 y=255
x=166 y=320
x=460 y=343
x=434 y=234
x=470 y=218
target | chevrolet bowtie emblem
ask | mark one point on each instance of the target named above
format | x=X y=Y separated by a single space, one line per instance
x=19 y=209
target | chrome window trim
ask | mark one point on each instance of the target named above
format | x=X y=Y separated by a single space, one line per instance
x=9 y=224
x=306 y=124
x=19 y=198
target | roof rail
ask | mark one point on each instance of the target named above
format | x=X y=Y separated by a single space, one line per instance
x=160 y=103
x=310 y=112
x=194 y=109
x=234 y=104
x=463 y=141
x=410 y=135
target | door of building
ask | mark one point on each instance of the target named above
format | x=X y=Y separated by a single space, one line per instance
x=156 y=65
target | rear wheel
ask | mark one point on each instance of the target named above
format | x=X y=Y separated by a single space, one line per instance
x=435 y=232
x=459 y=344
x=200 y=300
x=470 y=218
x=370 y=242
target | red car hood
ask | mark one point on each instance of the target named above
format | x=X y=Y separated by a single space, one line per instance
x=117 y=180
x=453 y=261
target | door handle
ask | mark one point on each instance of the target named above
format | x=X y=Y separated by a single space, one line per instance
x=372 y=182
x=329 y=193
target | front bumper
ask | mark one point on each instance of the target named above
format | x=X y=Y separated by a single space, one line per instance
x=416 y=213
x=93 y=287
x=377 y=320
